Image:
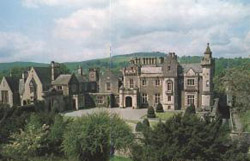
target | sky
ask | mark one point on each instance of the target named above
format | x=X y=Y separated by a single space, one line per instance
x=78 y=30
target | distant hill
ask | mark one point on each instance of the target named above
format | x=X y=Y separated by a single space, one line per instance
x=8 y=66
x=119 y=61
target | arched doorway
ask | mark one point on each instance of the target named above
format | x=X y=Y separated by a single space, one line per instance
x=128 y=101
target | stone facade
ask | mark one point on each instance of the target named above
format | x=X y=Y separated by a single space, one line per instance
x=149 y=81
x=9 y=91
x=144 y=82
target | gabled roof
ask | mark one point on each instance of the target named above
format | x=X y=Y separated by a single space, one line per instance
x=13 y=83
x=196 y=67
x=109 y=73
x=62 y=79
x=44 y=74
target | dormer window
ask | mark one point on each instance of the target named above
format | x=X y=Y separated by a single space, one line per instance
x=190 y=82
x=59 y=87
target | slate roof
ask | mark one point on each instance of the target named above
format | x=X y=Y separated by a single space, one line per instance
x=62 y=79
x=80 y=78
x=196 y=67
x=13 y=83
x=151 y=70
x=44 y=74
x=109 y=74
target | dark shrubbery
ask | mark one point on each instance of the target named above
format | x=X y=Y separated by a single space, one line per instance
x=159 y=108
x=146 y=123
x=190 y=110
x=151 y=112
x=138 y=127
x=188 y=138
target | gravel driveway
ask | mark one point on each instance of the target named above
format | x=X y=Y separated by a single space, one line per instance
x=125 y=113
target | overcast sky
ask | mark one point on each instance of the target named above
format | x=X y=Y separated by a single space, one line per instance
x=77 y=30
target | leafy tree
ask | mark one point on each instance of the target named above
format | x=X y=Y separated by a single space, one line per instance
x=28 y=142
x=96 y=136
x=63 y=69
x=187 y=138
x=236 y=83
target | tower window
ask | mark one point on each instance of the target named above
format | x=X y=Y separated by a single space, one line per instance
x=190 y=82
x=131 y=83
x=169 y=86
x=144 y=98
x=169 y=98
x=190 y=99
x=157 y=98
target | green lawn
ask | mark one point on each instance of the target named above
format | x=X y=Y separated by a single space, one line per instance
x=245 y=120
x=166 y=115
x=120 y=159
x=116 y=158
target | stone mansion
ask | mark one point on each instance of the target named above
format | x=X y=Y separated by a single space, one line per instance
x=144 y=82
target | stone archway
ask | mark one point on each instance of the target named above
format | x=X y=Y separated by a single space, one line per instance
x=129 y=101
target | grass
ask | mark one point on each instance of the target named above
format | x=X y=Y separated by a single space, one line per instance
x=116 y=158
x=165 y=115
x=245 y=120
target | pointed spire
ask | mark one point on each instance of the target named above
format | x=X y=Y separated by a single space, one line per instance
x=208 y=50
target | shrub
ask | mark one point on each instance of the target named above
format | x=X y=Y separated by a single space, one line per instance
x=94 y=137
x=138 y=127
x=159 y=108
x=146 y=123
x=28 y=142
x=151 y=112
x=190 y=110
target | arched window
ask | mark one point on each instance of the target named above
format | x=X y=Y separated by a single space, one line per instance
x=169 y=85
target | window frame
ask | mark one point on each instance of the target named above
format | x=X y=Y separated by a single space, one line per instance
x=144 y=82
x=190 y=99
x=157 y=98
x=108 y=86
x=100 y=99
x=190 y=82
x=157 y=82
x=144 y=98
x=131 y=83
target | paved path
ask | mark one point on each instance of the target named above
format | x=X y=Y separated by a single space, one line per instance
x=125 y=113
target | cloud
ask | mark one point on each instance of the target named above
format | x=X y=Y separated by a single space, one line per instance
x=18 y=47
x=159 y=25
x=66 y=3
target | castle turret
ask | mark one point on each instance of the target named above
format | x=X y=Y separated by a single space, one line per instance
x=207 y=64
